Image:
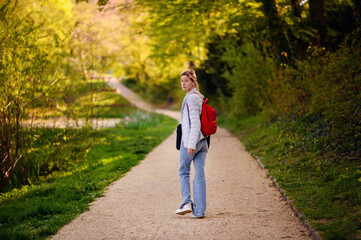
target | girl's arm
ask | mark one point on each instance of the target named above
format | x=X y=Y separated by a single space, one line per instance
x=195 y=109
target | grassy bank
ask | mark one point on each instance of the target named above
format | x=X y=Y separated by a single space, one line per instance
x=39 y=210
x=66 y=169
x=325 y=186
x=89 y=98
x=45 y=150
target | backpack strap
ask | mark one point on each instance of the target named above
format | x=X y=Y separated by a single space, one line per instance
x=189 y=120
x=197 y=93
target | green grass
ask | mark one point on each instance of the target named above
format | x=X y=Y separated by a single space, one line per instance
x=102 y=104
x=325 y=186
x=48 y=149
x=39 y=210
x=83 y=99
x=65 y=169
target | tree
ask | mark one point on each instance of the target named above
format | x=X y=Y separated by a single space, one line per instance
x=283 y=48
x=31 y=41
x=318 y=19
x=296 y=8
x=357 y=7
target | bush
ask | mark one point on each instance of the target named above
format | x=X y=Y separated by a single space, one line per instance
x=328 y=85
x=248 y=79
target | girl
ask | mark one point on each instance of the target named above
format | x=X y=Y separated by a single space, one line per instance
x=193 y=148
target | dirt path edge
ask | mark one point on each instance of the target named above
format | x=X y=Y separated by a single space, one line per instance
x=312 y=232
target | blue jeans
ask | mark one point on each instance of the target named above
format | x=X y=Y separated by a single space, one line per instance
x=199 y=182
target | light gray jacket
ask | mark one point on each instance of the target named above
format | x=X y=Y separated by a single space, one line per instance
x=191 y=123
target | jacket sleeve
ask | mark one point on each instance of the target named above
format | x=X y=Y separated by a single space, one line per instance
x=195 y=110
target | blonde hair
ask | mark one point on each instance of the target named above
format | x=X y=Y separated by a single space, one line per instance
x=193 y=77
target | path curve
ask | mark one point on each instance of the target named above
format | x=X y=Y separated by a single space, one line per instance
x=241 y=202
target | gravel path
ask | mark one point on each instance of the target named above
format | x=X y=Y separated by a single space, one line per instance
x=241 y=202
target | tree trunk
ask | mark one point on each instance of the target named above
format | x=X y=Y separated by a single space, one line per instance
x=318 y=19
x=357 y=8
x=10 y=142
x=300 y=45
x=191 y=63
x=296 y=8
x=284 y=49
x=1 y=55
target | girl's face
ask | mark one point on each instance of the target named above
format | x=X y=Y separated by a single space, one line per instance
x=187 y=83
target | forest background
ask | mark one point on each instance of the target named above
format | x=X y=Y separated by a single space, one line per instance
x=284 y=75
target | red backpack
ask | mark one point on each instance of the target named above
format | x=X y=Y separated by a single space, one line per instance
x=208 y=119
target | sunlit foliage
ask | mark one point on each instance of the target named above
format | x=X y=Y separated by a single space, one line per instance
x=33 y=39
x=294 y=61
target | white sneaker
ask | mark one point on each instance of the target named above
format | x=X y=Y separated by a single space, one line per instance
x=185 y=209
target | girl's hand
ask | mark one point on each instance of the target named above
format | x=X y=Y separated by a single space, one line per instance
x=190 y=151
